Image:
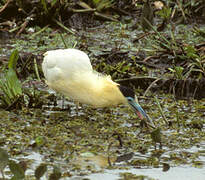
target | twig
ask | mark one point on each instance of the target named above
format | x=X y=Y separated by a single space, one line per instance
x=23 y=26
x=66 y=46
x=160 y=109
x=158 y=33
x=28 y=61
x=151 y=86
x=83 y=5
x=5 y=6
x=64 y=27
x=75 y=44
x=134 y=78
x=149 y=57
x=105 y=16
x=173 y=13
x=38 y=32
x=142 y=36
x=180 y=7
x=108 y=153
x=83 y=10
x=36 y=69
x=14 y=29
x=86 y=6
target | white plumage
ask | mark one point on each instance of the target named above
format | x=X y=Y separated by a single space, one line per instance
x=70 y=72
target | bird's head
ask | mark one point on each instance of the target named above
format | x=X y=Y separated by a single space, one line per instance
x=129 y=94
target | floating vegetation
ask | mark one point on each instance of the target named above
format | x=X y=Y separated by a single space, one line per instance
x=47 y=137
x=13 y=94
x=10 y=85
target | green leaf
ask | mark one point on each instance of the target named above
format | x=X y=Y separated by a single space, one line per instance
x=96 y=2
x=53 y=2
x=17 y=170
x=5 y=98
x=11 y=87
x=165 y=12
x=40 y=170
x=179 y=72
x=191 y=52
x=14 y=83
x=156 y=135
x=56 y=174
x=103 y=4
x=44 y=3
x=40 y=140
x=4 y=159
x=13 y=59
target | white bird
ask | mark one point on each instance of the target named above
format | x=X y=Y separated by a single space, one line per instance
x=70 y=72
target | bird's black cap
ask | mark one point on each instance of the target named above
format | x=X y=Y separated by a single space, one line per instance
x=127 y=92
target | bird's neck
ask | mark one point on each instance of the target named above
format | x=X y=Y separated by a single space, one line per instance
x=109 y=92
x=102 y=91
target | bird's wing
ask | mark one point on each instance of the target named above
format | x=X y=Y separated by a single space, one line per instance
x=64 y=63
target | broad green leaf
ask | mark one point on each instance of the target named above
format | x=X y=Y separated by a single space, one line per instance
x=11 y=87
x=13 y=59
x=17 y=170
x=56 y=174
x=40 y=170
x=40 y=140
x=4 y=159
x=14 y=83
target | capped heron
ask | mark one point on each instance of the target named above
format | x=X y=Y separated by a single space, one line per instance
x=70 y=72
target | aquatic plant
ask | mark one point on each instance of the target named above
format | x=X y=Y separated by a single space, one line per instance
x=103 y=4
x=10 y=85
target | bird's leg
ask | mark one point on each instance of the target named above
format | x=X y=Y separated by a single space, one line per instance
x=77 y=108
x=63 y=102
